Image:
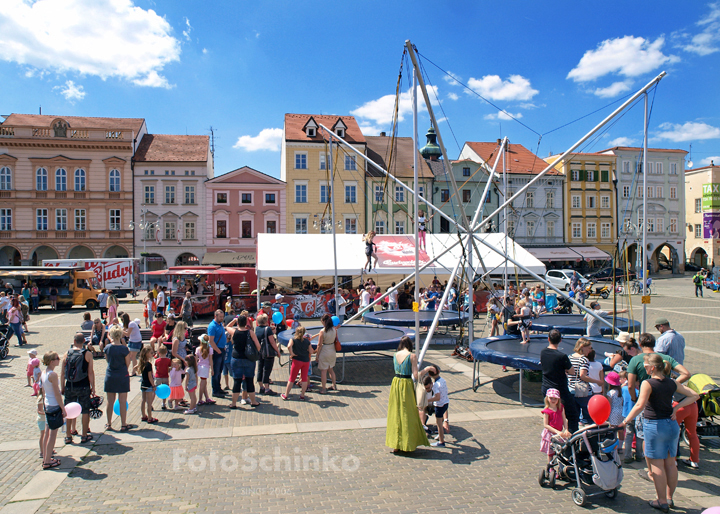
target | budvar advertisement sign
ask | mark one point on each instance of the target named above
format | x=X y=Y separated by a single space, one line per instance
x=398 y=252
x=711 y=225
x=711 y=197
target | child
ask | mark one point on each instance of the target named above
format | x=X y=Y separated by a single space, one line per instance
x=421 y=229
x=615 y=396
x=147 y=384
x=630 y=427
x=33 y=363
x=424 y=407
x=162 y=369
x=441 y=403
x=204 y=354
x=554 y=421
x=176 y=380
x=525 y=315
x=41 y=423
x=146 y=310
x=158 y=330
x=191 y=370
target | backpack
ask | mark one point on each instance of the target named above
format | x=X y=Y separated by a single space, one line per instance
x=74 y=367
x=266 y=349
x=331 y=306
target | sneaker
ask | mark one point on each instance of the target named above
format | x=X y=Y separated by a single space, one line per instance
x=438 y=444
x=436 y=436
x=243 y=402
x=284 y=396
x=270 y=392
x=690 y=463
x=190 y=411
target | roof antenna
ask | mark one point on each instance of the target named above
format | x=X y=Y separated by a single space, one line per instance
x=212 y=141
x=41 y=109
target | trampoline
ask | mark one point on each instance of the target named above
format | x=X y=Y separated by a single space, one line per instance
x=357 y=338
x=406 y=318
x=573 y=324
x=507 y=350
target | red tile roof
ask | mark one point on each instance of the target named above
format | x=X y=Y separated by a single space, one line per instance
x=378 y=149
x=164 y=148
x=639 y=149
x=519 y=159
x=294 y=124
x=75 y=122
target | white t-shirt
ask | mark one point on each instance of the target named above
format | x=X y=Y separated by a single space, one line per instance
x=364 y=298
x=4 y=303
x=392 y=297
x=161 y=299
x=341 y=303
x=593 y=325
x=594 y=370
x=135 y=335
x=440 y=386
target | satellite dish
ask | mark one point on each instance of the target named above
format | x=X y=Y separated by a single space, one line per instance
x=690 y=164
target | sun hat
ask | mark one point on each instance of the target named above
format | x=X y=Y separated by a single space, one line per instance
x=552 y=393
x=32 y=352
x=612 y=378
x=623 y=337
x=662 y=321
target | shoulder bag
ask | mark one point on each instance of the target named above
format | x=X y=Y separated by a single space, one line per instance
x=251 y=352
x=338 y=346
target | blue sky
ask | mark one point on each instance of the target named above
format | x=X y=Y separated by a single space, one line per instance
x=240 y=66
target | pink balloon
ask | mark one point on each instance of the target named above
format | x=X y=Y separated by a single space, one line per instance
x=73 y=410
x=712 y=510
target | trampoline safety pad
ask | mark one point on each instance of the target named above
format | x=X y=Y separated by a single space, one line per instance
x=359 y=338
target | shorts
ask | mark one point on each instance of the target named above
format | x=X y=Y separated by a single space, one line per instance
x=661 y=438
x=41 y=422
x=147 y=389
x=135 y=347
x=191 y=390
x=301 y=368
x=440 y=410
x=159 y=381
x=80 y=395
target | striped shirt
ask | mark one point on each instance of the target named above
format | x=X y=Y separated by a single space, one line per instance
x=580 y=363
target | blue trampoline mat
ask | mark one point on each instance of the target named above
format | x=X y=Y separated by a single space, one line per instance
x=406 y=318
x=359 y=338
x=509 y=351
x=573 y=324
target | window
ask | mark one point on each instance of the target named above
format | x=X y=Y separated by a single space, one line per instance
x=466 y=195
x=590 y=175
x=650 y=225
x=150 y=172
x=591 y=230
x=550 y=228
x=190 y=194
x=325 y=192
x=529 y=199
x=322 y=161
x=576 y=202
x=350 y=193
x=639 y=191
x=60 y=180
x=246 y=229
x=421 y=191
x=169 y=194
x=379 y=193
x=591 y=202
x=658 y=168
x=466 y=172
x=301 y=161
x=575 y=175
x=379 y=227
x=660 y=225
x=80 y=219
x=114 y=181
x=626 y=191
x=301 y=226
x=5 y=179
x=221 y=229
x=170 y=230
x=5 y=219
x=399 y=194
x=627 y=226
x=270 y=198
x=698 y=204
x=301 y=197
x=444 y=226
x=576 y=230
x=673 y=193
x=626 y=167
x=605 y=230
x=221 y=198
x=340 y=132
x=511 y=228
x=659 y=192
x=604 y=202
x=271 y=227
x=149 y=194
x=149 y=232
x=530 y=228
x=80 y=180
x=399 y=227
x=189 y=230
x=61 y=219
x=41 y=217
x=604 y=175
x=41 y=179
x=650 y=168
x=650 y=192
x=350 y=163
x=549 y=199
x=114 y=219
x=444 y=195
x=246 y=198
x=673 y=168
x=640 y=223
x=350 y=226
x=698 y=231
x=673 y=221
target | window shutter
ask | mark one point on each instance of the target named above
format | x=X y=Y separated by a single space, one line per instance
x=604 y=174
x=583 y=175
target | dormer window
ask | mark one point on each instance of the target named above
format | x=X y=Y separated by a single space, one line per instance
x=311 y=128
x=339 y=128
x=311 y=131
x=340 y=132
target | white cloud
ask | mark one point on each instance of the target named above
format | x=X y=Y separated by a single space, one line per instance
x=530 y=105
x=710 y=160
x=622 y=141
x=368 y=129
x=204 y=51
x=629 y=56
x=71 y=91
x=453 y=96
x=502 y=115
x=613 y=89
x=452 y=79
x=380 y=111
x=707 y=41
x=493 y=87
x=187 y=30
x=104 y=38
x=267 y=139
x=689 y=131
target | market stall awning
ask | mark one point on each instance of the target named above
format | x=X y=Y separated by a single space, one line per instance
x=554 y=253
x=33 y=273
x=590 y=253
x=195 y=272
x=227 y=258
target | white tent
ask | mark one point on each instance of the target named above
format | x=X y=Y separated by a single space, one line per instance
x=286 y=255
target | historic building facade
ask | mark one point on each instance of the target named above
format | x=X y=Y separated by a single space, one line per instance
x=702 y=214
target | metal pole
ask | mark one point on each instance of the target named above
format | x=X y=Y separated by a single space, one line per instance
x=644 y=223
x=416 y=165
x=332 y=219
x=505 y=216
x=144 y=228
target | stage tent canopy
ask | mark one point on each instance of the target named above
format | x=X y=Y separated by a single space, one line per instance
x=293 y=255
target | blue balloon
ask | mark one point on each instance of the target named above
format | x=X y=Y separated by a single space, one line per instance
x=277 y=318
x=162 y=391
x=572 y=294
x=116 y=407
x=336 y=321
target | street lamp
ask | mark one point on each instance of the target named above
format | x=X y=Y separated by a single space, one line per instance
x=144 y=227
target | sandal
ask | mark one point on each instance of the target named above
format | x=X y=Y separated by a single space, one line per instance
x=108 y=426
x=323 y=391
x=655 y=504
x=68 y=440
x=86 y=439
x=144 y=418
x=53 y=464
x=152 y=420
x=74 y=432
x=125 y=428
x=210 y=402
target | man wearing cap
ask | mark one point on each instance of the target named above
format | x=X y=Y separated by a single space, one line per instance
x=218 y=342
x=555 y=367
x=670 y=342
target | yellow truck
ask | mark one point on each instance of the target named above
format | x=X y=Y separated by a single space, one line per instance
x=74 y=286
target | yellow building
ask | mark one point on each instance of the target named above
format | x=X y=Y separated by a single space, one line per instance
x=702 y=215
x=305 y=169
x=589 y=204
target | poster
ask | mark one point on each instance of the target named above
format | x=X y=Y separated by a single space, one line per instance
x=711 y=225
x=711 y=197
x=398 y=252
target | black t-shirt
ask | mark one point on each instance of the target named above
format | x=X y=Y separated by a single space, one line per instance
x=301 y=349
x=262 y=334
x=239 y=340
x=554 y=363
x=147 y=371
x=659 y=404
x=83 y=382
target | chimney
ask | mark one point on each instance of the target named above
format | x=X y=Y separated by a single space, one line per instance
x=382 y=134
x=499 y=141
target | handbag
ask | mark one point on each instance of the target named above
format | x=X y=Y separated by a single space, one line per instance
x=338 y=346
x=54 y=418
x=251 y=352
x=582 y=389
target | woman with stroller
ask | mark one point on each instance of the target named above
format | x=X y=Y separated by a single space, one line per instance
x=661 y=429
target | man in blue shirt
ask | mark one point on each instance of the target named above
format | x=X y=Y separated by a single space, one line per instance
x=670 y=342
x=218 y=342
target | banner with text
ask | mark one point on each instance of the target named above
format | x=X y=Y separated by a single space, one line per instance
x=711 y=197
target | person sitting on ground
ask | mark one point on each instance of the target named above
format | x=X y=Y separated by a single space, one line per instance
x=87 y=323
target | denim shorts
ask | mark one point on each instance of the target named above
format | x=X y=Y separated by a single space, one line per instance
x=661 y=438
x=135 y=347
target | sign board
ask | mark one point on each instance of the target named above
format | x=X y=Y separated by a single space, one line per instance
x=711 y=225
x=711 y=196
x=646 y=299
x=416 y=307
x=394 y=251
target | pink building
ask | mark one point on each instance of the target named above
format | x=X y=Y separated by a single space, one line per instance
x=241 y=204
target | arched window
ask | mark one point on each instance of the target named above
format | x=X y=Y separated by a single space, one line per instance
x=114 y=181
x=5 y=179
x=60 y=179
x=41 y=179
x=79 y=179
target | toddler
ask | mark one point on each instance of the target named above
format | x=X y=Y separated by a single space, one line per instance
x=441 y=403
x=204 y=354
x=162 y=369
x=630 y=428
x=176 y=380
x=554 y=422
x=41 y=423
x=191 y=369
x=31 y=365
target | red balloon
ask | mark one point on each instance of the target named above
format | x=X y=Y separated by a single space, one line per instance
x=599 y=409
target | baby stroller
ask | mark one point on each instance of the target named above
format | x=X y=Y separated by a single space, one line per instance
x=95 y=403
x=708 y=405
x=4 y=341
x=564 y=306
x=589 y=459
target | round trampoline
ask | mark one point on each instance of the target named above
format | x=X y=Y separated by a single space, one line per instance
x=359 y=338
x=573 y=324
x=406 y=318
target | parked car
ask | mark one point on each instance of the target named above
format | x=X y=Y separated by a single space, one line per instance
x=606 y=275
x=560 y=278
x=690 y=266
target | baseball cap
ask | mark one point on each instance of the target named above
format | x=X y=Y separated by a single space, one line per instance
x=278 y=297
x=662 y=321
x=32 y=352
x=552 y=393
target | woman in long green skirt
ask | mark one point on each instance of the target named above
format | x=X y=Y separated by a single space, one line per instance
x=404 y=430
